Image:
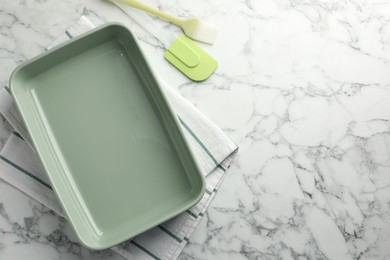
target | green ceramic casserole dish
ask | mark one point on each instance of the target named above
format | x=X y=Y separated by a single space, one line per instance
x=107 y=137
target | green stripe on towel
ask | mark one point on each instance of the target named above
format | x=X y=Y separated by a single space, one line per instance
x=26 y=172
x=68 y=34
x=145 y=250
x=170 y=233
x=199 y=141
x=191 y=214
x=221 y=167
x=18 y=135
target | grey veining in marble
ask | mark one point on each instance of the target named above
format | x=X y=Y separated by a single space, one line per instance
x=303 y=87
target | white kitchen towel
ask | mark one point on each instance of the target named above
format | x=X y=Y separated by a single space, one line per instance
x=20 y=166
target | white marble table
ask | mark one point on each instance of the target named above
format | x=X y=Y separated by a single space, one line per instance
x=303 y=87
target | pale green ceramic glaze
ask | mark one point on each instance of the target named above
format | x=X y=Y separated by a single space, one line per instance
x=107 y=137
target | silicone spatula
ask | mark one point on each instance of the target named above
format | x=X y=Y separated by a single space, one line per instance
x=182 y=52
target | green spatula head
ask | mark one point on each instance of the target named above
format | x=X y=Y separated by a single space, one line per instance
x=190 y=59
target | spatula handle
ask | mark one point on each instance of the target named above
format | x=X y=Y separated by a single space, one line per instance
x=137 y=4
x=146 y=22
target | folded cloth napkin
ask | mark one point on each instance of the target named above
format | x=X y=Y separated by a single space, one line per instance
x=21 y=167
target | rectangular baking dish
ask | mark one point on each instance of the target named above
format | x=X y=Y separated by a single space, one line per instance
x=107 y=137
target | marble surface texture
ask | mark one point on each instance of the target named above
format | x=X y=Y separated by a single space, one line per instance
x=303 y=87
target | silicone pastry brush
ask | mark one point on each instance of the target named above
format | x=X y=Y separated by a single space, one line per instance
x=182 y=52
x=192 y=27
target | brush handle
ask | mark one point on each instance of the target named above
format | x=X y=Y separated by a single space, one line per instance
x=146 y=22
x=146 y=8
